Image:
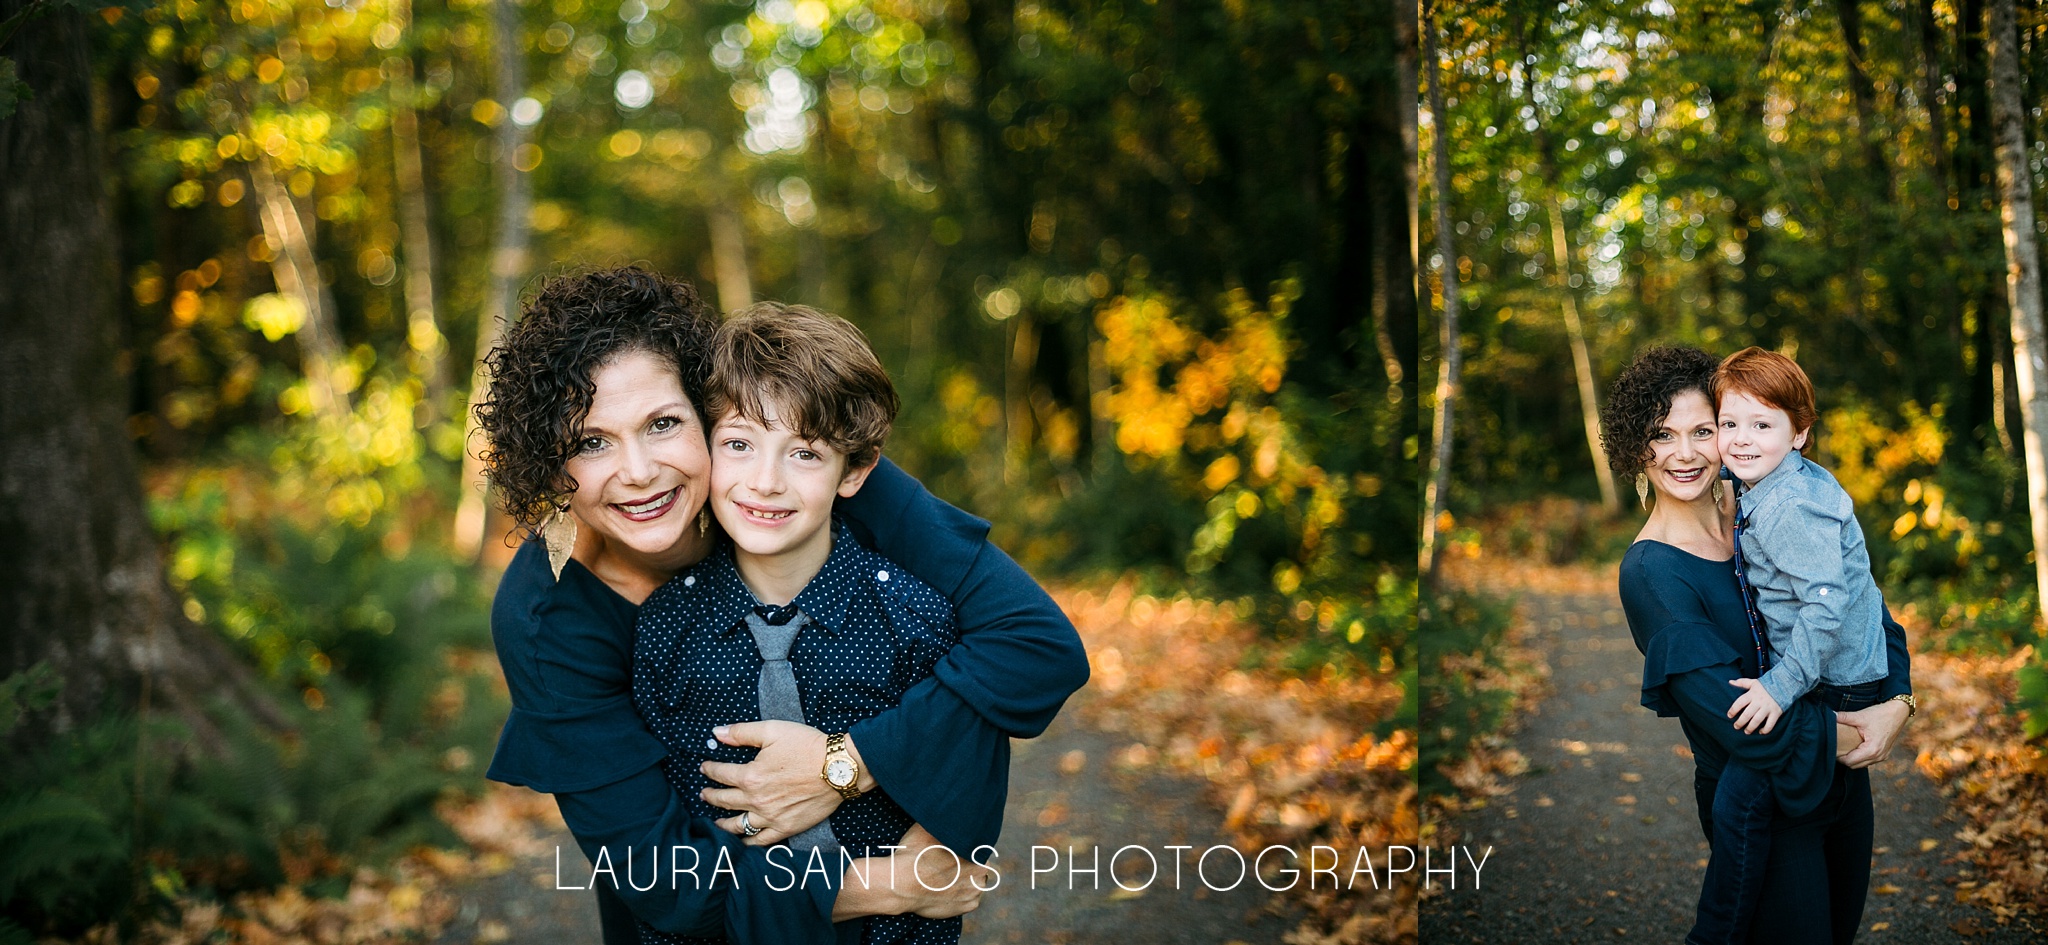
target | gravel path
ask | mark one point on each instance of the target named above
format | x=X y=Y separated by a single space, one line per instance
x=1063 y=791
x=1600 y=841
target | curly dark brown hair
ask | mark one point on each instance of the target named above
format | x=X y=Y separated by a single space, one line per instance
x=540 y=374
x=1641 y=398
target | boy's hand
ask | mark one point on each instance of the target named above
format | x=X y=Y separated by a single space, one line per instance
x=1754 y=712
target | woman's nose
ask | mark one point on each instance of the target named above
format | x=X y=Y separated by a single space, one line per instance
x=638 y=465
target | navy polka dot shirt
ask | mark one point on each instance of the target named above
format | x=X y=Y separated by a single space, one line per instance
x=874 y=631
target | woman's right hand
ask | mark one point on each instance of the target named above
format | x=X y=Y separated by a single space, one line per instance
x=938 y=885
x=946 y=884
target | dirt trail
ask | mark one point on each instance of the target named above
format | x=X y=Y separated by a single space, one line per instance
x=1600 y=842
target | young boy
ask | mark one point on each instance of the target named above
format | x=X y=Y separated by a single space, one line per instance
x=1801 y=550
x=792 y=618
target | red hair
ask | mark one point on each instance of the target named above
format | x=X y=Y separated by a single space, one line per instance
x=1772 y=378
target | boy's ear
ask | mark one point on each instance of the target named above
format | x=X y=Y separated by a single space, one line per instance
x=1799 y=439
x=855 y=477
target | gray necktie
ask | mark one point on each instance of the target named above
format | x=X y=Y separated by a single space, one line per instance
x=779 y=700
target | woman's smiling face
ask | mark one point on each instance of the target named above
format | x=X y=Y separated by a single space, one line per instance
x=642 y=468
x=1684 y=457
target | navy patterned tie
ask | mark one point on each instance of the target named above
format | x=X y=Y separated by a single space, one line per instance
x=774 y=629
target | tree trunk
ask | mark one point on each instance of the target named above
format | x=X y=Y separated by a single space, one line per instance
x=429 y=347
x=1930 y=92
x=508 y=263
x=1405 y=29
x=1850 y=16
x=729 y=258
x=1447 y=372
x=84 y=590
x=297 y=274
x=1582 y=360
x=1017 y=421
x=2022 y=270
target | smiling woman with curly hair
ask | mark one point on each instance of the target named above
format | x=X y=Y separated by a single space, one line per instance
x=1642 y=396
x=1801 y=875
x=598 y=452
x=542 y=374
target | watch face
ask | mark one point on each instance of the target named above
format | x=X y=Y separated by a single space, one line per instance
x=839 y=771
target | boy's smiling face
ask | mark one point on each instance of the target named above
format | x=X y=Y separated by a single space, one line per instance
x=773 y=490
x=1755 y=437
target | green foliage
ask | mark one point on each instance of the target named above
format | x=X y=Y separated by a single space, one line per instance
x=373 y=646
x=2033 y=698
x=12 y=90
x=334 y=604
x=1459 y=637
x=28 y=691
x=67 y=820
x=113 y=820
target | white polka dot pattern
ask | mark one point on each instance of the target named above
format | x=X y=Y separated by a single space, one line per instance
x=874 y=632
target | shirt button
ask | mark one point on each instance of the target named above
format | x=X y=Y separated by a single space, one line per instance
x=711 y=743
x=690 y=581
x=881 y=575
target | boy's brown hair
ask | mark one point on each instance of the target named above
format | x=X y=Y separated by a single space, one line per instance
x=1772 y=378
x=816 y=370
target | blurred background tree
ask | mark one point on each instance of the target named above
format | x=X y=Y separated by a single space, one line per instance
x=1144 y=273
x=1815 y=178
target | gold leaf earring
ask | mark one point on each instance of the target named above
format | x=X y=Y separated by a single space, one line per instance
x=703 y=523
x=1717 y=490
x=1643 y=489
x=560 y=536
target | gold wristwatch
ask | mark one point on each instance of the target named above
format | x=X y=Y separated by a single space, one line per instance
x=841 y=772
x=1912 y=704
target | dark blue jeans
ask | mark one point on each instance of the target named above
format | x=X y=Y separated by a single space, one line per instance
x=1740 y=834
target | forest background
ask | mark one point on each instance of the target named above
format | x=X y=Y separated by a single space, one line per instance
x=1818 y=178
x=1143 y=273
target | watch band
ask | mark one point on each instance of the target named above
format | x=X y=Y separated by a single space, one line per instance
x=1912 y=704
x=837 y=756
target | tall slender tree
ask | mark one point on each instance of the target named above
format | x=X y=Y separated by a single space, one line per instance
x=1447 y=273
x=2022 y=269
x=508 y=257
x=424 y=338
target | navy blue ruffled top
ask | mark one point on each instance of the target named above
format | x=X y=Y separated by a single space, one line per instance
x=1686 y=615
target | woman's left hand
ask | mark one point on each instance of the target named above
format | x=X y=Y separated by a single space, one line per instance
x=1880 y=726
x=780 y=789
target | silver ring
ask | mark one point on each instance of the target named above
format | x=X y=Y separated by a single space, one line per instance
x=747 y=824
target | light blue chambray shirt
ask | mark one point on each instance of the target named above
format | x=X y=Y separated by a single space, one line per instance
x=1822 y=610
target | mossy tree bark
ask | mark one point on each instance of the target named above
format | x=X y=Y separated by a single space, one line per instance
x=82 y=585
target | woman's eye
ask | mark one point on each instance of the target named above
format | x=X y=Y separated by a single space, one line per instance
x=664 y=424
x=590 y=444
x=1660 y=436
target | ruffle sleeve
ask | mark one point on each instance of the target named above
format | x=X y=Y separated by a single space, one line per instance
x=566 y=647
x=1679 y=648
x=582 y=746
